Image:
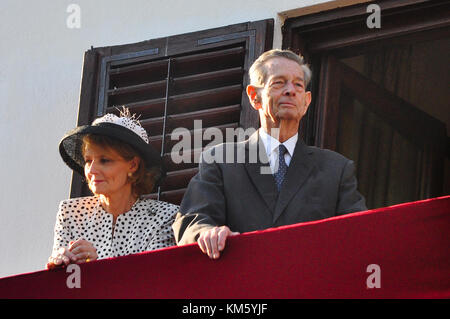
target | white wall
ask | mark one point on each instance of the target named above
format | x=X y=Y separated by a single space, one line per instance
x=40 y=74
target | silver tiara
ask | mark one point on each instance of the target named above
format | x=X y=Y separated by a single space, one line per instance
x=125 y=120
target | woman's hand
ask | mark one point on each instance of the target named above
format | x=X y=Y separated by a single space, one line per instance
x=78 y=252
x=62 y=257
x=83 y=251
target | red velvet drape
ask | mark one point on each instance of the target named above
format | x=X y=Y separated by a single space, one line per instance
x=409 y=244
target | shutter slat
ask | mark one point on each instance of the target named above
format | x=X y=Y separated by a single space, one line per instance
x=183 y=103
x=152 y=65
x=190 y=102
x=138 y=74
x=138 y=88
x=208 y=80
x=210 y=61
x=153 y=126
x=210 y=117
x=178 y=179
x=212 y=55
x=193 y=155
x=155 y=141
x=146 y=109
x=136 y=93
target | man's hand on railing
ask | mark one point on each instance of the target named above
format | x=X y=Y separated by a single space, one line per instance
x=212 y=241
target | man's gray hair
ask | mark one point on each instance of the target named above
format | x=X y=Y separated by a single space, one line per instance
x=258 y=72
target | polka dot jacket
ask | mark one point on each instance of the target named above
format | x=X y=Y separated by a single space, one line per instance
x=146 y=226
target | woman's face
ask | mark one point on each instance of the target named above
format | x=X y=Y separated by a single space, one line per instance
x=106 y=171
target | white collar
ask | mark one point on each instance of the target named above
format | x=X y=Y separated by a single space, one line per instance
x=271 y=143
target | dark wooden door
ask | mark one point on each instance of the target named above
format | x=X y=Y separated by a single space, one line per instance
x=365 y=102
x=399 y=150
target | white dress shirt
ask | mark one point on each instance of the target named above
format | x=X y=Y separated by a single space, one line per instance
x=271 y=145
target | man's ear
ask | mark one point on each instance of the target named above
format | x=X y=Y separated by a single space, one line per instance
x=308 y=98
x=307 y=102
x=252 y=93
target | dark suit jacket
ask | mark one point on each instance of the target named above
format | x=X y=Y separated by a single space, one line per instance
x=318 y=184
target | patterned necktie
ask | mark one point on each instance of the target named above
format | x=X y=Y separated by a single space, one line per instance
x=282 y=167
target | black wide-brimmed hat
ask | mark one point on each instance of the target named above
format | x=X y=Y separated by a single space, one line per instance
x=124 y=128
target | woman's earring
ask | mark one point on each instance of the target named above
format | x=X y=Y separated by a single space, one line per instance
x=130 y=174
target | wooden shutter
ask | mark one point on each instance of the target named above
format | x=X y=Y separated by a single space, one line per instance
x=171 y=82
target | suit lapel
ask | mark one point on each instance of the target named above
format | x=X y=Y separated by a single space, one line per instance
x=258 y=169
x=299 y=169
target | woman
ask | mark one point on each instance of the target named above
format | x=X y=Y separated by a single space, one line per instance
x=120 y=166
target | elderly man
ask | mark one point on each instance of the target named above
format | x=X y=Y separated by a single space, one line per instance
x=303 y=184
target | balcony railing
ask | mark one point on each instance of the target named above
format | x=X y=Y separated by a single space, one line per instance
x=400 y=251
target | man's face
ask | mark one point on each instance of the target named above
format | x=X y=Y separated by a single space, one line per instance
x=283 y=96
